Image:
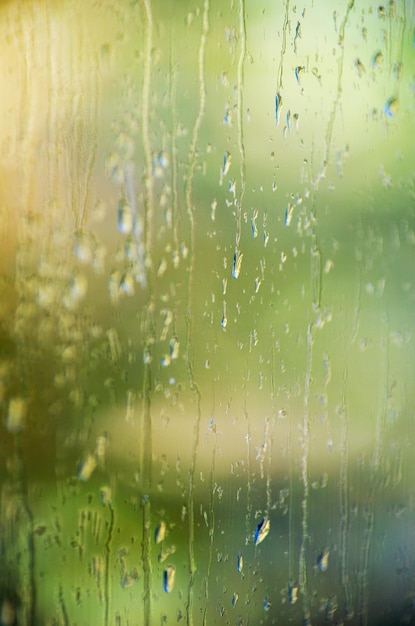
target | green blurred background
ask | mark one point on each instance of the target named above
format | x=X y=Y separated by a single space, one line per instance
x=141 y=383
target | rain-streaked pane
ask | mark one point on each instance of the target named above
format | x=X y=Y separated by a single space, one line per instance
x=207 y=312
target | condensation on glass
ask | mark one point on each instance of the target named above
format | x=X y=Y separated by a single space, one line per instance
x=207 y=312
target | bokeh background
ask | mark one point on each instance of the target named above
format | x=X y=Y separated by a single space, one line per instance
x=207 y=312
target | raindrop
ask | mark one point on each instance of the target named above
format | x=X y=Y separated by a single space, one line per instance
x=360 y=69
x=127 y=284
x=254 y=227
x=240 y=563
x=323 y=560
x=105 y=495
x=299 y=70
x=174 y=348
x=160 y=533
x=125 y=218
x=377 y=60
x=288 y=214
x=86 y=467
x=278 y=106
x=237 y=262
x=292 y=592
x=168 y=578
x=224 y=321
x=391 y=107
x=262 y=531
x=226 y=165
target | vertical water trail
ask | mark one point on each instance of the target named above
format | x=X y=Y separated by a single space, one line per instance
x=291 y=577
x=145 y=130
x=249 y=489
x=344 y=498
x=65 y=617
x=332 y=118
x=316 y=269
x=249 y=482
x=304 y=475
x=376 y=468
x=175 y=207
x=189 y=334
x=283 y=46
x=363 y=574
x=383 y=393
x=402 y=44
x=212 y=489
x=344 y=533
x=269 y=425
x=240 y=105
x=16 y=517
x=357 y=311
x=81 y=137
x=278 y=98
x=107 y=548
x=146 y=423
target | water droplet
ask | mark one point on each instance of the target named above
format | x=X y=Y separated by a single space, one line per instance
x=227 y=119
x=127 y=284
x=237 y=262
x=213 y=207
x=254 y=227
x=174 y=348
x=316 y=73
x=240 y=563
x=125 y=218
x=323 y=560
x=168 y=578
x=224 y=321
x=262 y=531
x=160 y=532
x=226 y=165
x=278 y=106
x=86 y=467
x=377 y=60
x=360 y=69
x=165 y=360
x=105 y=495
x=163 y=159
x=391 y=107
x=292 y=592
x=299 y=70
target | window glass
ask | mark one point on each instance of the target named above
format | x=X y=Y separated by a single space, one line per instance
x=207 y=312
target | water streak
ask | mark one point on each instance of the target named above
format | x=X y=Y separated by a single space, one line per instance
x=189 y=335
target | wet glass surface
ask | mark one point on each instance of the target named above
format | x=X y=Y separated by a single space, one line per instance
x=207 y=312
